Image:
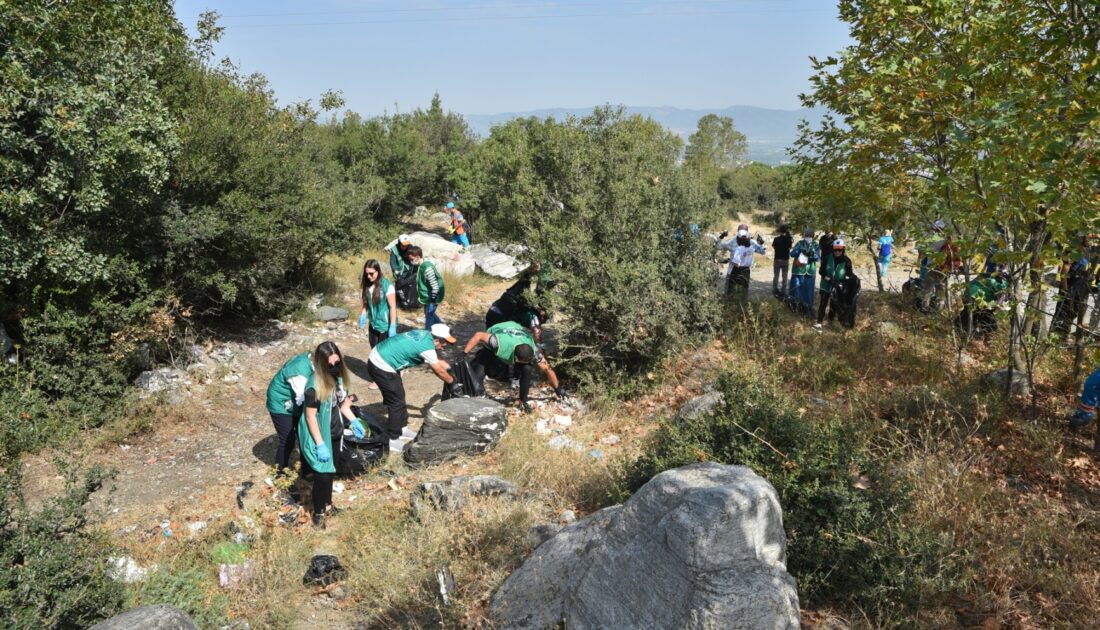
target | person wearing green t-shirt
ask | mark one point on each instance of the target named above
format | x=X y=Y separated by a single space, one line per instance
x=510 y=347
x=834 y=270
x=285 y=397
x=978 y=316
x=392 y=356
x=429 y=286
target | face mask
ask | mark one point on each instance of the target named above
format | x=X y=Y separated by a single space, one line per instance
x=334 y=370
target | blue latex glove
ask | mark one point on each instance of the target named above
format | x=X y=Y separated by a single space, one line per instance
x=362 y=320
x=323 y=454
x=358 y=429
x=1080 y=418
x=393 y=330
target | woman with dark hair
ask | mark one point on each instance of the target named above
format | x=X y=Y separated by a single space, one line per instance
x=379 y=314
x=326 y=403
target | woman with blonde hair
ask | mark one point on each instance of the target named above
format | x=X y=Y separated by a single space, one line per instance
x=326 y=404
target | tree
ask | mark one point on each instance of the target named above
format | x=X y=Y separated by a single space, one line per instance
x=715 y=145
x=988 y=104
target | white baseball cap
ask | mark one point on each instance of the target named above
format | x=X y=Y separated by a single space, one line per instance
x=443 y=331
x=742 y=232
x=404 y=238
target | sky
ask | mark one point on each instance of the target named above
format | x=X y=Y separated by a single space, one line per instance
x=486 y=57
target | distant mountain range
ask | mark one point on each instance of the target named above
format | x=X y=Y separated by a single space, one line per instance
x=769 y=131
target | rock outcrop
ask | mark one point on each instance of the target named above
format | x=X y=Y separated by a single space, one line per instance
x=701 y=546
x=159 y=617
x=456 y=427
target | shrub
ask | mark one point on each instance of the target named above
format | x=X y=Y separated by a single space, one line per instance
x=53 y=567
x=603 y=205
x=187 y=590
x=846 y=544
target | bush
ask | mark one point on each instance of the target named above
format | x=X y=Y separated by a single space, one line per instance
x=187 y=590
x=603 y=205
x=53 y=567
x=846 y=544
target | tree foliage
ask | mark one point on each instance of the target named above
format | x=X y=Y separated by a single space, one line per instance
x=715 y=145
x=602 y=205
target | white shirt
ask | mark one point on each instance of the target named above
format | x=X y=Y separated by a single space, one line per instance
x=741 y=256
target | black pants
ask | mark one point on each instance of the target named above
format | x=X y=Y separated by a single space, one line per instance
x=826 y=297
x=737 y=283
x=376 y=337
x=322 y=487
x=485 y=363
x=286 y=427
x=392 y=389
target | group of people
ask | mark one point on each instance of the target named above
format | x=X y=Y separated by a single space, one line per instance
x=839 y=286
x=308 y=398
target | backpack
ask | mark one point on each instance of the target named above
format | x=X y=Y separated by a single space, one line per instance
x=355 y=456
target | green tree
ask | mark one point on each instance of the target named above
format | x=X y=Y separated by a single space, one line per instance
x=715 y=145
x=599 y=201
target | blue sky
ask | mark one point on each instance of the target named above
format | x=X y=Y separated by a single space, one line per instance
x=488 y=57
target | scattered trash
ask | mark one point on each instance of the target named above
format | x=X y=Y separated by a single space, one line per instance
x=150 y=461
x=197 y=526
x=611 y=440
x=563 y=421
x=229 y=553
x=288 y=514
x=126 y=570
x=166 y=528
x=541 y=428
x=242 y=492
x=124 y=447
x=567 y=516
x=393 y=485
x=324 y=570
x=233 y=575
x=269 y=482
x=338 y=487
x=231 y=378
x=446 y=584
x=560 y=442
x=595 y=453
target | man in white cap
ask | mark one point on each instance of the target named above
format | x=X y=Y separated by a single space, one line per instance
x=393 y=355
x=399 y=261
x=741 y=249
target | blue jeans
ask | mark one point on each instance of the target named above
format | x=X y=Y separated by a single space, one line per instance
x=802 y=290
x=430 y=318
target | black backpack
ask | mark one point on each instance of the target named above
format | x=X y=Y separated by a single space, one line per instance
x=355 y=456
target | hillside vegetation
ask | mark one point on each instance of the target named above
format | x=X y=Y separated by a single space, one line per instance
x=153 y=198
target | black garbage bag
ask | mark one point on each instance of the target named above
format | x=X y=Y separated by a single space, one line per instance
x=405 y=291
x=844 y=300
x=324 y=570
x=466 y=382
x=354 y=455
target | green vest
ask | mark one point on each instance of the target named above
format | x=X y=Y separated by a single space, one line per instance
x=306 y=444
x=280 y=397
x=398 y=266
x=402 y=351
x=379 y=314
x=509 y=335
x=834 y=272
x=810 y=249
x=987 y=289
x=423 y=290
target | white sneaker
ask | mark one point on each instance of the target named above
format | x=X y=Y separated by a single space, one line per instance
x=397 y=446
x=407 y=433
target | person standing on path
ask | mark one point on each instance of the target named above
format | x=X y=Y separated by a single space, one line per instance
x=392 y=356
x=834 y=270
x=429 y=286
x=781 y=259
x=326 y=406
x=459 y=228
x=741 y=249
x=805 y=256
x=379 y=314
x=885 y=254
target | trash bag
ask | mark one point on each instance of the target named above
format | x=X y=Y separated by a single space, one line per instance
x=844 y=300
x=324 y=570
x=466 y=384
x=354 y=456
x=405 y=291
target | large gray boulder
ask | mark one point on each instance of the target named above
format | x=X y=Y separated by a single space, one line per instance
x=701 y=546
x=159 y=617
x=701 y=406
x=331 y=314
x=1018 y=385
x=494 y=263
x=455 y=427
x=446 y=255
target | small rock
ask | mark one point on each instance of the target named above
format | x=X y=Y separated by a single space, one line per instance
x=332 y=325
x=126 y=570
x=560 y=442
x=1018 y=386
x=231 y=378
x=701 y=406
x=890 y=331
x=541 y=427
x=338 y=487
x=451 y=495
x=337 y=593
x=261 y=351
x=595 y=453
x=331 y=313
x=567 y=517
x=563 y=421
x=233 y=575
x=197 y=526
x=611 y=440
x=542 y=532
x=158 y=617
